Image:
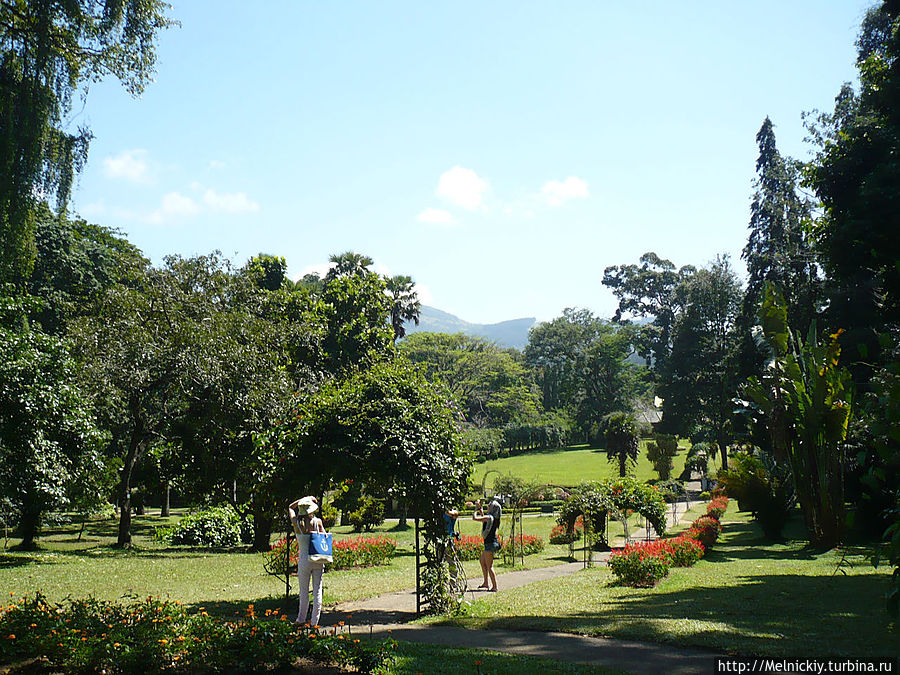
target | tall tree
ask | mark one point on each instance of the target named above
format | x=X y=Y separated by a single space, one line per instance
x=651 y=289
x=348 y=264
x=48 y=436
x=622 y=445
x=47 y=51
x=777 y=249
x=405 y=305
x=700 y=380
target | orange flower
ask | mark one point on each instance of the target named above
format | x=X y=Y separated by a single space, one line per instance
x=11 y=636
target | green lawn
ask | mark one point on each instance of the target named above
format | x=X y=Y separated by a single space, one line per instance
x=569 y=466
x=411 y=658
x=225 y=580
x=747 y=597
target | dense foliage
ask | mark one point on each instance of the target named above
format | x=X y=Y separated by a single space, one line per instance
x=154 y=635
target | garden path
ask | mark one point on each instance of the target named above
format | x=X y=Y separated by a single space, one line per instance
x=392 y=612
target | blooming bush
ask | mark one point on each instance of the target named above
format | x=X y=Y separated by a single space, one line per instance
x=154 y=635
x=706 y=530
x=526 y=545
x=684 y=551
x=560 y=535
x=639 y=565
x=362 y=552
x=717 y=507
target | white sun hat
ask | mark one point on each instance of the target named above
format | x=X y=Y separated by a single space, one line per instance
x=308 y=504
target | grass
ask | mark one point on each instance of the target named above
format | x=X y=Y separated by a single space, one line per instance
x=414 y=658
x=223 y=581
x=746 y=597
x=569 y=466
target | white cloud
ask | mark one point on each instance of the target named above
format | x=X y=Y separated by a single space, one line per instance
x=435 y=217
x=229 y=202
x=130 y=165
x=462 y=187
x=424 y=294
x=216 y=164
x=174 y=206
x=556 y=192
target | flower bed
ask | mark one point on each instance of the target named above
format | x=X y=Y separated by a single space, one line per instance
x=469 y=547
x=153 y=635
x=528 y=544
x=560 y=535
x=685 y=551
x=346 y=553
x=717 y=507
x=363 y=552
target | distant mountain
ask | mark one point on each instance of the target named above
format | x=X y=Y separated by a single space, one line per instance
x=513 y=333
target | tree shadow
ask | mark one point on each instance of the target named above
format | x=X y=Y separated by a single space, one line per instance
x=763 y=614
x=11 y=561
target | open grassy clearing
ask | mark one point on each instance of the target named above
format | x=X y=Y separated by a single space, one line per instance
x=570 y=466
x=747 y=596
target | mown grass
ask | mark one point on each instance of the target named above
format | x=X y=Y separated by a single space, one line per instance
x=747 y=596
x=223 y=581
x=411 y=658
x=569 y=466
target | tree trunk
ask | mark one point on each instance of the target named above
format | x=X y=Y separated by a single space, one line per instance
x=134 y=451
x=29 y=526
x=164 y=511
x=262 y=528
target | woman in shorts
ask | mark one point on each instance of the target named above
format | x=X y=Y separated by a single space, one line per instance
x=490 y=523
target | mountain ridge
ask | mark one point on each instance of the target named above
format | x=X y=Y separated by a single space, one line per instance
x=510 y=333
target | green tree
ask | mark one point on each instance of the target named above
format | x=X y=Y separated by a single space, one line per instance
x=491 y=385
x=777 y=249
x=48 y=437
x=49 y=50
x=405 y=305
x=620 y=436
x=266 y=271
x=651 y=289
x=700 y=380
x=348 y=264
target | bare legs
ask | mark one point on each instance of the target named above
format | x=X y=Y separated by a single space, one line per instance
x=487 y=569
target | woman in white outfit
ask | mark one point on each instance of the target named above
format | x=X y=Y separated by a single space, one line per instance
x=301 y=512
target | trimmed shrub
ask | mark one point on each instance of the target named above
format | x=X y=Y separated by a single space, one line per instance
x=638 y=567
x=369 y=514
x=661 y=453
x=717 y=507
x=706 y=530
x=684 y=551
x=213 y=528
x=362 y=552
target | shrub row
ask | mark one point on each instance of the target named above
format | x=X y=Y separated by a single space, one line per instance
x=155 y=635
x=218 y=527
x=643 y=565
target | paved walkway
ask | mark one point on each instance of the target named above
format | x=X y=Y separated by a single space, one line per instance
x=392 y=612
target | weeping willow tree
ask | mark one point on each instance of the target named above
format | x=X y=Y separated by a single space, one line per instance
x=49 y=50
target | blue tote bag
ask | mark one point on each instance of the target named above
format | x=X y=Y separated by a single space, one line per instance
x=320 y=547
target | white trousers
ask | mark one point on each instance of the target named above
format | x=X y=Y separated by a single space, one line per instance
x=304 y=572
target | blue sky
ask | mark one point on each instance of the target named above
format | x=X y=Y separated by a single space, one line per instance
x=501 y=153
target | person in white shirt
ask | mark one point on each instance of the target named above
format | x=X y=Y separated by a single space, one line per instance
x=301 y=513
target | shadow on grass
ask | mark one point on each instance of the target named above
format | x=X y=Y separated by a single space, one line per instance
x=762 y=614
x=10 y=561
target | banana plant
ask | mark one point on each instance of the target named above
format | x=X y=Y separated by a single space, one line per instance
x=801 y=406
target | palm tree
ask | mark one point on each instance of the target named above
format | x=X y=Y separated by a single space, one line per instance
x=405 y=305
x=621 y=440
x=348 y=264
